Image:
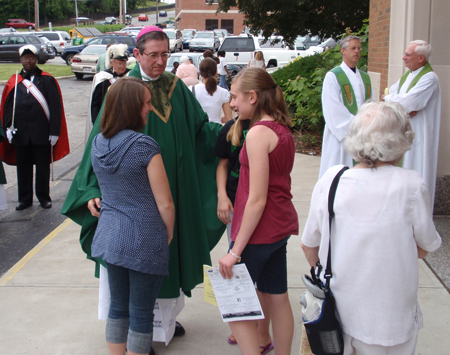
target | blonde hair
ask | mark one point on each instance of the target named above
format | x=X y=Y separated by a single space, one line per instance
x=270 y=100
x=259 y=55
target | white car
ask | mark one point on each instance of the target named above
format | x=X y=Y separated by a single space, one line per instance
x=204 y=40
x=175 y=39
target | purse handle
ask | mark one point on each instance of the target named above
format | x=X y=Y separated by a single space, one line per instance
x=331 y=195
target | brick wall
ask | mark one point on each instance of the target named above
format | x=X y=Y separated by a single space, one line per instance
x=194 y=13
x=379 y=22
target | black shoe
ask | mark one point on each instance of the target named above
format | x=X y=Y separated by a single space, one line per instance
x=23 y=206
x=179 y=330
x=46 y=205
x=152 y=352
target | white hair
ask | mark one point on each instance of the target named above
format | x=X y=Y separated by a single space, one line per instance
x=184 y=59
x=380 y=132
x=345 y=41
x=422 y=48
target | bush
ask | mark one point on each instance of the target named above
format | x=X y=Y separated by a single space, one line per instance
x=302 y=80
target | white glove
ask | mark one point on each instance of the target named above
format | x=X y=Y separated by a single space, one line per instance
x=9 y=135
x=53 y=139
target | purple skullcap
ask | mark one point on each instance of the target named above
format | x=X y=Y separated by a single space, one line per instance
x=148 y=29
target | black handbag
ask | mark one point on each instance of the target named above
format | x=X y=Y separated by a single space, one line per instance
x=325 y=333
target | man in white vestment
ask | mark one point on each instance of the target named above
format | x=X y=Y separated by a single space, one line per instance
x=345 y=89
x=419 y=93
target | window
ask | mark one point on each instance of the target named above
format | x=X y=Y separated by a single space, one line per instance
x=211 y=24
x=209 y=2
x=34 y=40
x=128 y=41
x=240 y=44
x=51 y=36
x=3 y=40
x=17 y=40
x=228 y=25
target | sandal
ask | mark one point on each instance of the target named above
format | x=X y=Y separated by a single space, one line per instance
x=267 y=348
x=232 y=340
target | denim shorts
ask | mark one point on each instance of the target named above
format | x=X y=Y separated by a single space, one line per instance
x=267 y=265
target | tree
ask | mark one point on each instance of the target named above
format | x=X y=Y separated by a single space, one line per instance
x=291 y=18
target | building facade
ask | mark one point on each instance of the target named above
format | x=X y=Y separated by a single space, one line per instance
x=200 y=15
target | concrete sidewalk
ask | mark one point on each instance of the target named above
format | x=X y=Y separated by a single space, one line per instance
x=48 y=300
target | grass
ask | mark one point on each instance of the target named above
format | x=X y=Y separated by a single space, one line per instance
x=6 y=70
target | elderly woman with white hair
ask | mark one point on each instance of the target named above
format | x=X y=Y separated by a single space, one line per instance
x=187 y=71
x=383 y=223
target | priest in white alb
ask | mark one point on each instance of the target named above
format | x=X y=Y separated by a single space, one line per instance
x=345 y=89
x=419 y=93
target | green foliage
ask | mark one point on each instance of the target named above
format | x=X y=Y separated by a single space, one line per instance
x=6 y=70
x=291 y=18
x=101 y=28
x=302 y=80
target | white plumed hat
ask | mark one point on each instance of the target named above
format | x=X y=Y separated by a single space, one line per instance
x=116 y=51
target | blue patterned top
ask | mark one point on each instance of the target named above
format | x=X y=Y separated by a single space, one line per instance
x=130 y=231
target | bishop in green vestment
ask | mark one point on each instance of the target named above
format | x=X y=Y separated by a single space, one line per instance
x=181 y=128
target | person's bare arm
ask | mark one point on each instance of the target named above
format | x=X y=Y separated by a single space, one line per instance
x=227 y=112
x=311 y=254
x=421 y=252
x=161 y=191
x=94 y=206
x=224 y=204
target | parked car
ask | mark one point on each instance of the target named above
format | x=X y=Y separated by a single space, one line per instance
x=103 y=22
x=50 y=48
x=70 y=52
x=221 y=35
x=240 y=49
x=20 y=23
x=309 y=40
x=84 y=63
x=10 y=44
x=143 y=17
x=7 y=30
x=131 y=30
x=59 y=39
x=204 y=40
x=196 y=58
x=162 y=14
x=187 y=36
x=175 y=39
x=110 y=20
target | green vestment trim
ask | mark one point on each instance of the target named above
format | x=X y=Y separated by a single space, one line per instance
x=186 y=139
x=426 y=69
x=348 y=95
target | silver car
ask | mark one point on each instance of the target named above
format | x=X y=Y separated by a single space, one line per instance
x=175 y=39
x=84 y=63
x=60 y=39
x=204 y=40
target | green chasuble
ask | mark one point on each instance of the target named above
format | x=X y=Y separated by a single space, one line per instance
x=2 y=171
x=186 y=138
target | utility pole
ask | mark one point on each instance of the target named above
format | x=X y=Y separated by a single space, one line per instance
x=36 y=13
x=157 y=13
x=120 y=11
x=76 y=12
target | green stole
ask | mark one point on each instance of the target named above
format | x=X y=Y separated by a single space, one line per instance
x=426 y=69
x=348 y=95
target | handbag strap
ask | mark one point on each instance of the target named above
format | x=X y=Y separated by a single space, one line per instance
x=331 y=195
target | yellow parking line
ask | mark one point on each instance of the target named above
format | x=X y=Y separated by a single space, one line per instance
x=21 y=263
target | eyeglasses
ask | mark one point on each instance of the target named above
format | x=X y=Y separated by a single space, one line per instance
x=154 y=56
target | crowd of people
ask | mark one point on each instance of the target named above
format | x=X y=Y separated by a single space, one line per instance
x=164 y=173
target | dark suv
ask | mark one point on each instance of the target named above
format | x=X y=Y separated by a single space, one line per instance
x=130 y=41
x=10 y=44
x=20 y=23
